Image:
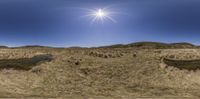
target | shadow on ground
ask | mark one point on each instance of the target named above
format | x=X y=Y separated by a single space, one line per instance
x=24 y=63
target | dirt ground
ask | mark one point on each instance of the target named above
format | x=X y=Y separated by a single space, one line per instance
x=92 y=73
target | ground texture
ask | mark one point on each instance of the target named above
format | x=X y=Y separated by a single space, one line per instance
x=100 y=72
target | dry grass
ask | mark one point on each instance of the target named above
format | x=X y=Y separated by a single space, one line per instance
x=104 y=72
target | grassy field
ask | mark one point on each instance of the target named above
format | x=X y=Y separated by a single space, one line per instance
x=99 y=72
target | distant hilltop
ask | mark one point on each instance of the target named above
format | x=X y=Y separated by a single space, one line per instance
x=142 y=45
x=153 y=45
x=2 y=46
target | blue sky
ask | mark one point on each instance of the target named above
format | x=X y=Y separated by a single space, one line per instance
x=60 y=23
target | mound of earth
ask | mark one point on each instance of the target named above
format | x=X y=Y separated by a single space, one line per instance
x=184 y=59
x=183 y=64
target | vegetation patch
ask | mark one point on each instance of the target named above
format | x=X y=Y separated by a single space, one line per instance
x=24 y=63
x=105 y=55
x=183 y=64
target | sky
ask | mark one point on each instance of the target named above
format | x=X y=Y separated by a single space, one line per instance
x=64 y=23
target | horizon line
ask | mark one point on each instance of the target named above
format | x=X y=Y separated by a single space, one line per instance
x=38 y=45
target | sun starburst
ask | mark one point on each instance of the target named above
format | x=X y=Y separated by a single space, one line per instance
x=100 y=15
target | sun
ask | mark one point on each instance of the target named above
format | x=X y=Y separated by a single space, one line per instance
x=100 y=15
